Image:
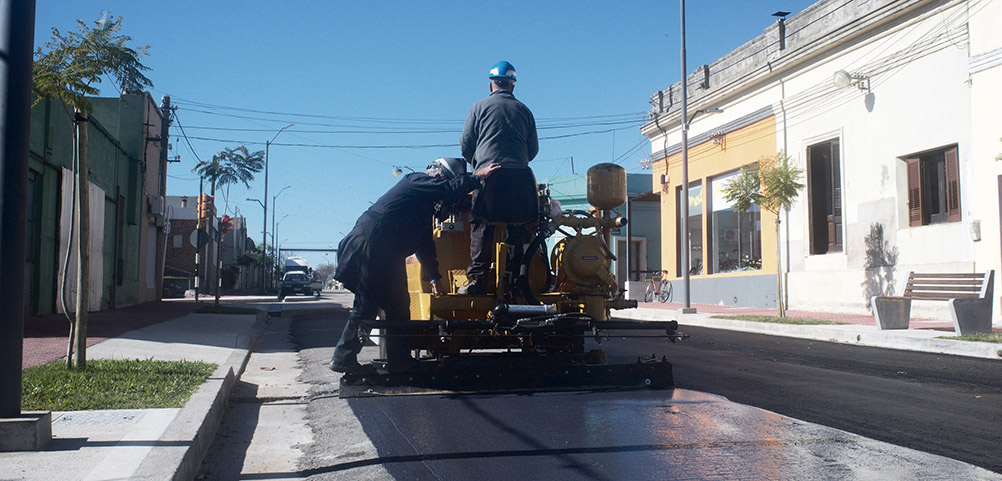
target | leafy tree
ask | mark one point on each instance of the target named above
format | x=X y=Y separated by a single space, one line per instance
x=231 y=166
x=68 y=69
x=326 y=271
x=773 y=184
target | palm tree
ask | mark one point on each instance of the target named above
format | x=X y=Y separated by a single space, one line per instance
x=226 y=168
x=68 y=71
x=773 y=185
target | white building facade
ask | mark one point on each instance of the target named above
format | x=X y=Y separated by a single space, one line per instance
x=890 y=107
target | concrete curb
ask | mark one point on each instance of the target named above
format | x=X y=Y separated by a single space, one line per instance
x=195 y=425
x=909 y=340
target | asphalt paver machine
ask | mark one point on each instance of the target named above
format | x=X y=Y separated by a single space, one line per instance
x=550 y=291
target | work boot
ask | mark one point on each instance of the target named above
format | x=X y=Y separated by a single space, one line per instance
x=351 y=366
x=476 y=287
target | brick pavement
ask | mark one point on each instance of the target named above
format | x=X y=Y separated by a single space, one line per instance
x=46 y=336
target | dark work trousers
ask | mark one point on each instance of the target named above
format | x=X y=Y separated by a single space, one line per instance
x=509 y=196
x=395 y=302
x=481 y=250
x=482 y=246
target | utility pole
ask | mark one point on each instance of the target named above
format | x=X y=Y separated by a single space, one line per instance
x=198 y=242
x=165 y=111
x=17 y=32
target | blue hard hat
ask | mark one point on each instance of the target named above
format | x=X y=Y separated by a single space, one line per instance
x=504 y=70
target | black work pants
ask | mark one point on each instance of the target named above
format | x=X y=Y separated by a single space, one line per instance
x=481 y=251
x=482 y=246
x=393 y=298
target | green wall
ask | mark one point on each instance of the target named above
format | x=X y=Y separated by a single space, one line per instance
x=115 y=149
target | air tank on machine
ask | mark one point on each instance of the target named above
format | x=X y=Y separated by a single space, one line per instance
x=606 y=186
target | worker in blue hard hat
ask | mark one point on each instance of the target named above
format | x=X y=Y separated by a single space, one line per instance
x=500 y=130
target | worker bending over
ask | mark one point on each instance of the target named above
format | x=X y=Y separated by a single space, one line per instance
x=372 y=257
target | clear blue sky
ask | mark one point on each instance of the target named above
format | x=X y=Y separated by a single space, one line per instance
x=373 y=85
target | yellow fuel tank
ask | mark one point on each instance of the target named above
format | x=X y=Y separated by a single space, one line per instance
x=606 y=186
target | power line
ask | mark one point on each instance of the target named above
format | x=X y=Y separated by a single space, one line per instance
x=374 y=146
x=185 y=135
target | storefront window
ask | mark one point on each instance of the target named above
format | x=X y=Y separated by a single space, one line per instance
x=695 y=201
x=736 y=236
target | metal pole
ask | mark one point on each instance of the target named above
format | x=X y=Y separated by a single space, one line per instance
x=629 y=240
x=264 y=235
x=17 y=33
x=686 y=245
x=198 y=238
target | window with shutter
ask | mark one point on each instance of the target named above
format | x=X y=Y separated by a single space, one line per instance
x=824 y=197
x=914 y=193
x=952 y=185
x=933 y=187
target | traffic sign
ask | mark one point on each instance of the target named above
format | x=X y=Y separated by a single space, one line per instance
x=199 y=238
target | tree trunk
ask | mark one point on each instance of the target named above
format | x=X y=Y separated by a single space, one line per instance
x=83 y=243
x=779 y=273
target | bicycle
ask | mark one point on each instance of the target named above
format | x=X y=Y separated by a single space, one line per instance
x=659 y=288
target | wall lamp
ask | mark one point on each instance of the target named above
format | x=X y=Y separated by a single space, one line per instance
x=843 y=79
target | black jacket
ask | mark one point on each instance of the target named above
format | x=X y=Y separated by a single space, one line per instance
x=397 y=225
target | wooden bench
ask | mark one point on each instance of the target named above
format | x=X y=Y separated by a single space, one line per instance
x=968 y=294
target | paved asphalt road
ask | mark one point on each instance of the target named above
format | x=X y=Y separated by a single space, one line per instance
x=939 y=404
x=946 y=405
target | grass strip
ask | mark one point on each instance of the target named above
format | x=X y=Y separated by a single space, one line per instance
x=995 y=337
x=111 y=384
x=226 y=310
x=799 y=321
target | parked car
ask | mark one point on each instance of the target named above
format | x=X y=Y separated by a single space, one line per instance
x=295 y=282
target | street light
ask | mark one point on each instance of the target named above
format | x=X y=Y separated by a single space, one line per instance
x=274 y=209
x=263 y=251
x=274 y=232
x=264 y=237
x=398 y=170
x=687 y=251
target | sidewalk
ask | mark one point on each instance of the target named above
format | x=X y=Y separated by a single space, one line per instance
x=170 y=443
x=858 y=329
x=141 y=443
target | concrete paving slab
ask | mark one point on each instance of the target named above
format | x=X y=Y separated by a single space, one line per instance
x=91 y=445
x=147 y=444
x=202 y=337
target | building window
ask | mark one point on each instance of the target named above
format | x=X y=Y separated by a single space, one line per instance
x=736 y=237
x=933 y=187
x=178 y=242
x=695 y=200
x=824 y=191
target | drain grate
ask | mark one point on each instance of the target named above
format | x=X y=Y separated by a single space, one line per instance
x=82 y=418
